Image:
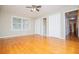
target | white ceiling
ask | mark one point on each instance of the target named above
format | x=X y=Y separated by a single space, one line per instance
x=44 y=10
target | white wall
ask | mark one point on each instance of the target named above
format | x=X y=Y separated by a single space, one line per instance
x=55 y=25
x=39 y=26
x=6 y=25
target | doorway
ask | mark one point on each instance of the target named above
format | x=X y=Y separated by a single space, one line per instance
x=71 y=23
x=44 y=26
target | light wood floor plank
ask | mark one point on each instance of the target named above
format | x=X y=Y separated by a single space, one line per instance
x=36 y=44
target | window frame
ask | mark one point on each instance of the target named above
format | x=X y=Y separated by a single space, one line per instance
x=22 y=19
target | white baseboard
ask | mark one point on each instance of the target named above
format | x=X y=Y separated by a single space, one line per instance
x=63 y=38
x=9 y=36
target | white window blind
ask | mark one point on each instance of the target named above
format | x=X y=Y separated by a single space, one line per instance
x=19 y=24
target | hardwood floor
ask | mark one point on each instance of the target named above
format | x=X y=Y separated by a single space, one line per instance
x=36 y=44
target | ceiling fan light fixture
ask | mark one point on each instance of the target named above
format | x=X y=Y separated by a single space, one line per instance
x=33 y=9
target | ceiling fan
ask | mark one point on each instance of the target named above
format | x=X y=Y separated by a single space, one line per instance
x=34 y=8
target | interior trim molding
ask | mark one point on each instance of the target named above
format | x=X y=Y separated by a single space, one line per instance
x=9 y=36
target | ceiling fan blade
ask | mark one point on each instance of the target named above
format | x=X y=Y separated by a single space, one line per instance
x=37 y=10
x=39 y=6
x=28 y=7
x=33 y=6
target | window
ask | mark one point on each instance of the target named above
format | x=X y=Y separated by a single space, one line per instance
x=19 y=24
